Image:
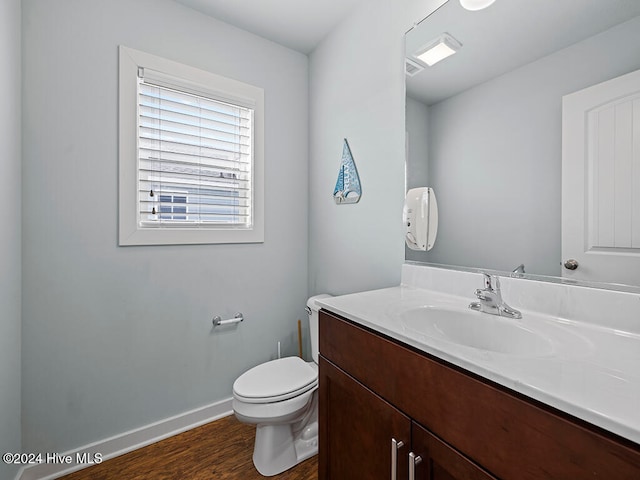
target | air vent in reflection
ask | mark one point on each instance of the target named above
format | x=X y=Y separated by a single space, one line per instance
x=412 y=67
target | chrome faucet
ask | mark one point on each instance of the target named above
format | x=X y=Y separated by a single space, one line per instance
x=518 y=270
x=491 y=299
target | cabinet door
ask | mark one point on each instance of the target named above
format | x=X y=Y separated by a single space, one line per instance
x=440 y=461
x=356 y=430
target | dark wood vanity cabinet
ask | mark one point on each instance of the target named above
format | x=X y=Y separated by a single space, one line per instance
x=374 y=390
x=360 y=432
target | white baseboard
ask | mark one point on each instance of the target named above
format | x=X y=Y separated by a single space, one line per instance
x=126 y=442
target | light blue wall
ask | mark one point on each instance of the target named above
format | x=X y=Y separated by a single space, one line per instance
x=118 y=337
x=10 y=233
x=417 y=126
x=496 y=150
x=111 y=341
x=357 y=92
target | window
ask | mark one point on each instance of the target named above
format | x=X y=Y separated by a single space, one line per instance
x=195 y=152
x=191 y=155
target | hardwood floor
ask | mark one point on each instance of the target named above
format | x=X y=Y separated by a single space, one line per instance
x=220 y=450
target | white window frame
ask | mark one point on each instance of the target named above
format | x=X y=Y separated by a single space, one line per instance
x=131 y=230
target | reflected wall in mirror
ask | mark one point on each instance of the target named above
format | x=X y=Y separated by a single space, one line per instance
x=484 y=126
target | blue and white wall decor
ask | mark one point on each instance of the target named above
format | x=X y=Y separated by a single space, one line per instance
x=348 y=185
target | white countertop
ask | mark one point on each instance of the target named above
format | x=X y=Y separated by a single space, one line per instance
x=591 y=371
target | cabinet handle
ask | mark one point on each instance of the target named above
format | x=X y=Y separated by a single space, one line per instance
x=395 y=446
x=413 y=461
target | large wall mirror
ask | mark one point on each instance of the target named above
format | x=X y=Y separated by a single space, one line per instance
x=485 y=131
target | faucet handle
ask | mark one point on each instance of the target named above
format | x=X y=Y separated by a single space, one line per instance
x=491 y=299
x=488 y=281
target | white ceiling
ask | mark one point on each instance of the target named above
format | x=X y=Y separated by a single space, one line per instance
x=297 y=24
x=508 y=34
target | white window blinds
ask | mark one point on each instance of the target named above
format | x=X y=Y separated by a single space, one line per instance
x=195 y=157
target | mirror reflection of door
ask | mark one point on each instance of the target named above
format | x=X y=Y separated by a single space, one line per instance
x=601 y=181
x=485 y=124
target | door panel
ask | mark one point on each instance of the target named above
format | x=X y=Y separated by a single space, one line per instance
x=601 y=181
x=356 y=429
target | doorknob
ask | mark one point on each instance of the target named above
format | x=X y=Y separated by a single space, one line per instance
x=571 y=264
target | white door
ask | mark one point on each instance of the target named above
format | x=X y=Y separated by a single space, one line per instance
x=601 y=182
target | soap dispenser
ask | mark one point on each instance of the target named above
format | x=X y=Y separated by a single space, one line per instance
x=420 y=217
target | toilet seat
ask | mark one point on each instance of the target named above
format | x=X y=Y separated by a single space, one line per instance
x=276 y=381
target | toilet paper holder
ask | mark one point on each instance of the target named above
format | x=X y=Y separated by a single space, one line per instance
x=218 y=321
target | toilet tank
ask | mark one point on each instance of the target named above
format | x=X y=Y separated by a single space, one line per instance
x=312 y=312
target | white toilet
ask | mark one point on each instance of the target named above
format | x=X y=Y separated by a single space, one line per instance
x=281 y=398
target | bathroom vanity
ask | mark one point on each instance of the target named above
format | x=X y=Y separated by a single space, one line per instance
x=398 y=401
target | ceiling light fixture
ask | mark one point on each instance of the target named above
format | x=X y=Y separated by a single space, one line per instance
x=476 y=4
x=442 y=47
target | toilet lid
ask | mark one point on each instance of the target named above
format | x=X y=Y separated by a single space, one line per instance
x=276 y=380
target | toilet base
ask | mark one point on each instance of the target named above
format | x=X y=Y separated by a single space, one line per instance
x=307 y=444
x=275 y=452
x=279 y=447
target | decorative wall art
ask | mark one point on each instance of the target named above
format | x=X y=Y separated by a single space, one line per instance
x=348 y=185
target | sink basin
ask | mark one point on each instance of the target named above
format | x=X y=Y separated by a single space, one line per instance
x=475 y=330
